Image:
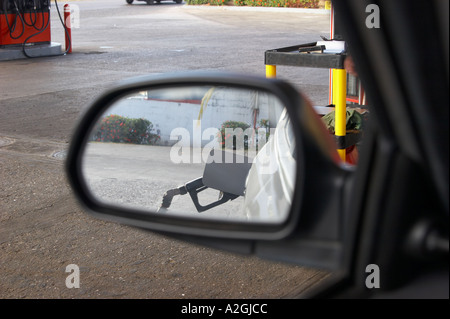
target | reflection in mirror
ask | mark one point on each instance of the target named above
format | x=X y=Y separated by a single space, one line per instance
x=203 y=151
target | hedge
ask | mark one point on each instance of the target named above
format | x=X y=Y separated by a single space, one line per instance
x=234 y=130
x=260 y=3
x=119 y=129
x=237 y=131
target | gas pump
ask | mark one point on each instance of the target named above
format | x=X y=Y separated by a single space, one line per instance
x=24 y=22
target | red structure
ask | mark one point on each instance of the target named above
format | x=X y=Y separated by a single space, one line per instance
x=24 y=22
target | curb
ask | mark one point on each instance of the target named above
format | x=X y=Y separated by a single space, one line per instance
x=38 y=50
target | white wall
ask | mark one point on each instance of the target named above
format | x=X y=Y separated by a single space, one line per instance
x=224 y=104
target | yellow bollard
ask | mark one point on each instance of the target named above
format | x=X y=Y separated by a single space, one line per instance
x=271 y=71
x=340 y=103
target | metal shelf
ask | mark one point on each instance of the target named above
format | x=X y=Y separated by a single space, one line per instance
x=290 y=56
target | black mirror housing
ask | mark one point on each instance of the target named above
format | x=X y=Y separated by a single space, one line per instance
x=318 y=181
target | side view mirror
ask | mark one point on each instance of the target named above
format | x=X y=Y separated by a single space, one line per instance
x=209 y=155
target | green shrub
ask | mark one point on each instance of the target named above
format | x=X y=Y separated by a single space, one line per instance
x=314 y=4
x=264 y=124
x=260 y=3
x=197 y=2
x=235 y=130
x=217 y=2
x=265 y=3
x=119 y=129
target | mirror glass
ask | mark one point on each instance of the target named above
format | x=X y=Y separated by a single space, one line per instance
x=197 y=151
